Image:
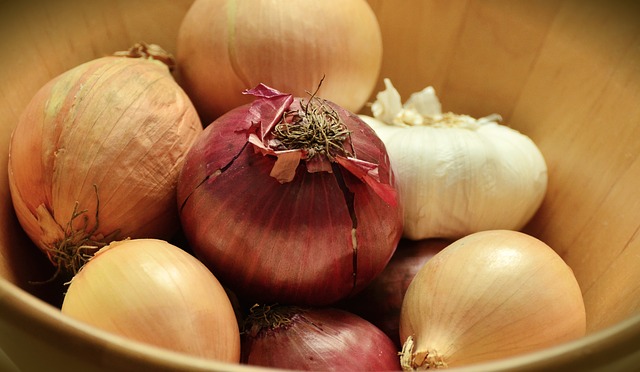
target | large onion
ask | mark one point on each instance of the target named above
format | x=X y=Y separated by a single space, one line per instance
x=290 y=225
x=96 y=155
x=487 y=296
x=152 y=291
x=315 y=339
x=227 y=46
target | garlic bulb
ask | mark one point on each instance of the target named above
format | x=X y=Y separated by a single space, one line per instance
x=457 y=174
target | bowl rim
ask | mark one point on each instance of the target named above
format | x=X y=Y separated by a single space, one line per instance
x=40 y=319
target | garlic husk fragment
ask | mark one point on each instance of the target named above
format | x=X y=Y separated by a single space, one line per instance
x=456 y=174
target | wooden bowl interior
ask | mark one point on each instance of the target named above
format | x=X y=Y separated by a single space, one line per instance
x=565 y=73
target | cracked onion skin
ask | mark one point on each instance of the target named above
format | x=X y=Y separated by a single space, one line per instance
x=289 y=242
x=381 y=301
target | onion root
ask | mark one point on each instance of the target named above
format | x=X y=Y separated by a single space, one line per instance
x=420 y=360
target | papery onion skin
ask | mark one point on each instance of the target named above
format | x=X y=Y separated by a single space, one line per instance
x=151 y=291
x=290 y=242
x=380 y=302
x=319 y=339
x=225 y=47
x=96 y=155
x=487 y=296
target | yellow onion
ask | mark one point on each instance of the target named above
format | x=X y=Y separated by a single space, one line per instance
x=315 y=339
x=154 y=292
x=96 y=154
x=227 y=46
x=487 y=296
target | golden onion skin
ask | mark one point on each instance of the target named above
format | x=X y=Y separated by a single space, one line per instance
x=96 y=155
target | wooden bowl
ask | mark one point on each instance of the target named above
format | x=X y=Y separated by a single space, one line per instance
x=566 y=73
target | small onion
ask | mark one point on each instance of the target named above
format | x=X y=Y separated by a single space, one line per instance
x=315 y=339
x=227 y=46
x=487 y=296
x=278 y=217
x=380 y=302
x=96 y=155
x=151 y=291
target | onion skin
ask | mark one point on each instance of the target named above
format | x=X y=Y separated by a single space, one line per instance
x=320 y=339
x=488 y=296
x=107 y=137
x=227 y=46
x=153 y=292
x=380 y=302
x=289 y=242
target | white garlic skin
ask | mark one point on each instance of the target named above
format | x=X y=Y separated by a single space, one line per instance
x=454 y=181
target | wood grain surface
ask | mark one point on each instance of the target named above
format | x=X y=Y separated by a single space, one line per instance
x=566 y=73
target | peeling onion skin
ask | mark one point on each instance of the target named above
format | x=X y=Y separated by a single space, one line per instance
x=321 y=339
x=110 y=134
x=487 y=296
x=154 y=292
x=289 y=243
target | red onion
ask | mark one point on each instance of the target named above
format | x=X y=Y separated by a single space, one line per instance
x=279 y=218
x=320 y=339
x=380 y=302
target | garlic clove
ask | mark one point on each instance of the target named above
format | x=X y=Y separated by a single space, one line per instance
x=425 y=102
x=387 y=104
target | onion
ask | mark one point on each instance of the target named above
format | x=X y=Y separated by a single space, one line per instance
x=96 y=155
x=279 y=218
x=153 y=292
x=487 y=296
x=380 y=302
x=315 y=339
x=225 y=47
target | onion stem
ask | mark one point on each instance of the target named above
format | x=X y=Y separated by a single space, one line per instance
x=268 y=317
x=317 y=129
x=149 y=51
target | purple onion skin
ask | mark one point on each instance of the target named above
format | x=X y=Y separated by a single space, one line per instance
x=289 y=243
x=322 y=339
x=380 y=302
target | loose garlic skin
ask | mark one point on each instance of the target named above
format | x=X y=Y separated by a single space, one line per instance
x=487 y=296
x=457 y=175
